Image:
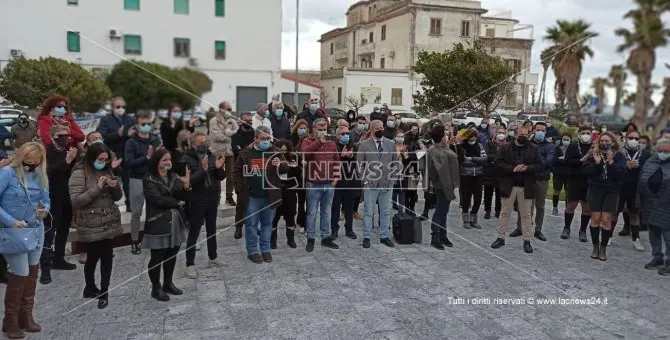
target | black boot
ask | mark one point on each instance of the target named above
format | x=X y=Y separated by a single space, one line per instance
x=168 y=272
x=606 y=234
x=565 y=234
x=135 y=248
x=60 y=264
x=158 y=293
x=45 y=274
x=625 y=231
x=91 y=292
x=527 y=248
x=273 y=238
x=238 y=232
x=103 y=300
x=435 y=240
x=290 y=237
x=499 y=242
x=349 y=232
x=487 y=215
x=444 y=239
x=516 y=233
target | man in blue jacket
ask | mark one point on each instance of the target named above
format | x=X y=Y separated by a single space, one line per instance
x=546 y=151
x=116 y=128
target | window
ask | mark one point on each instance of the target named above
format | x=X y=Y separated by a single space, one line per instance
x=490 y=32
x=181 y=6
x=73 y=43
x=515 y=64
x=219 y=8
x=339 y=95
x=383 y=32
x=465 y=28
x=132 y=44
x=372 y=37
x=435 y=26
x=510 y=100
x=331 y=48
x=73 y=2
x=219 y=49
x=396 y=96
x=382 y=62
x=182 y=47
x=131 y=5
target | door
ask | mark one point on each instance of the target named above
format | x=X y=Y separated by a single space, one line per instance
x=248 y=97
x=287 y=99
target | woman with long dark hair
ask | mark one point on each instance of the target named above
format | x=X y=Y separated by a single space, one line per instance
x=298 y=133
x=165 y=226
x=171 y=126
x=94 y=190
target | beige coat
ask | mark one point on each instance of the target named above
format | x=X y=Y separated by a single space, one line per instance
x=96 y=214
x=221 y=128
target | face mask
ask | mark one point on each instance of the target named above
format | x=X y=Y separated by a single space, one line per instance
x=351 y=117
x=500 y=136
x=522 y=140
x=539 y=136
x=246 y=125
x=167 y=166
x=99 y=141
x=120 y=111
x=633 y=144
x=62 y=141
x=60 y=111
x=379 y=134
x=145 y=128
x=264 y=145
x=399 y=140
x=344 y=139
x=23 y=121
x=483 y=126
x=176 y=115
x=472 y=142
x=586 y=138
x=279 y=112
x=360 y=127
x=302 y=132
x=202 y=149
x=376 y=110
x=313 y=107
x=663 y=156
x=267 y=114
x=643 y=145
x=606 y=146
x=603 y=130
x=98 y=165
x=510 y=133
x=184 y=144
x=566 y=142
x=390 y=123
x=319 y=134
x=29 y=167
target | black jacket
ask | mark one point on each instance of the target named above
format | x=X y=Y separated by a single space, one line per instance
x=135 y=155
x=109 y=129
x=205 y=184
x=509 y=156
x=241 y=139
x=308 y=117
x=169 y=133
x=490 y=171
x=560 y=167
x=348 y=168
x=573 y=156
x=632 y=176
x=281 y=128
x=390 y=132
x=161 y=198
x=58 y=172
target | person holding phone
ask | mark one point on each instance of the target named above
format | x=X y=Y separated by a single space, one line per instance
x=24 y=203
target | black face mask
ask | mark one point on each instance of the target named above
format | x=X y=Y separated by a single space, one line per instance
x=184 y=144
x=246 y=126
x=202 y=149
x=29 y=167
x=523 y=140
x=62 y=141
x=23 y=121
x=379 y=134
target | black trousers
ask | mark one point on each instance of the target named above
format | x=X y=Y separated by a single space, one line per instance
x=198 y=213
x=287 y=209
x=471 y=193
x=240 y=212
x=57 y=223
x=489 y=190
x=101 y=251
x=167 y=257
x=411 y=197
x=342 y=199
x=559 y=182
x=302 y=204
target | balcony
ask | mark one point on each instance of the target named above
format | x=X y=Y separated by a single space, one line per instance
x=367 y=48
x=341 y=54
x=332 y=73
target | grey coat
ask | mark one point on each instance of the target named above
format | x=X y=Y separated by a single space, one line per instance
x=378 y=170
x=221 y=129
x=655 y=208
x=96 y=214
x=443 y=170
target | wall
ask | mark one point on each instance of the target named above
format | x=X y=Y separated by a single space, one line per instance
x=451 y=3
x=397 y=41
x=355 y=79
x=451 y=29
x=503 y=28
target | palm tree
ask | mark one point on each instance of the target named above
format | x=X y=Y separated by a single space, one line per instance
x=647 y=35
x=570 y=42
x=598 y=86
x=618 y=78
x=546 y=57
x=664 y=109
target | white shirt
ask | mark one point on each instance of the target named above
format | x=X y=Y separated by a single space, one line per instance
x=257 y=121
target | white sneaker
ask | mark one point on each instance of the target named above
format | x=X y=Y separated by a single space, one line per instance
x=637 y=245
x=190 y=272
x=218 y=262
x=197 y=247
x=609 y=242
x=301 y=230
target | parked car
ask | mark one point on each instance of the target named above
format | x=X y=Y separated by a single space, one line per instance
x=411 y=118
x=202 y=118
x=533 y=118
x=651 y=123
x=613 y=123
x=497 y=116
x=469 y=118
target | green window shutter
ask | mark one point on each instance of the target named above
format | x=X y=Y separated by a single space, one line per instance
x=73 y=2
x=219 y=8
x=73 y=44
x=131 y=5
x=219 y=49
x=132 y=44
x=181 y=6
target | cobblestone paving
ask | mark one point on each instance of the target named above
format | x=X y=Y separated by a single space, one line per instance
x=376 y=293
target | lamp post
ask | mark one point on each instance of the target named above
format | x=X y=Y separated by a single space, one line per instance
x=297 y=21
x=524 y=92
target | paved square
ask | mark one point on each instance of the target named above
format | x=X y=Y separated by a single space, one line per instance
x=376 y=293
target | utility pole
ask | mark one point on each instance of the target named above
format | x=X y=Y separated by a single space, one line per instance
x=297 y=38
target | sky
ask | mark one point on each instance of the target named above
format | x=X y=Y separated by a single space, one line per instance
x=318 y=17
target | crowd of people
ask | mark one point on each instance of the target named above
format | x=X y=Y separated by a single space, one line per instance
x=281 y=163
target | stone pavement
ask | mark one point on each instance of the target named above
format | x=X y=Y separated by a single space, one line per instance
x=376 y=293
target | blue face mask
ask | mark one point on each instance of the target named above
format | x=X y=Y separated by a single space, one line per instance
x=344 y=139
x=663 y=156
x=566 y=142
x=98 y=165
x=362 y=127
x=267 y=114
x=313 y=107
x=279 y=112
x=176 y=115
x=145 y=128
x=540 y=135
x=302 y=132
x=99 y=141
x=60 y=111
x=264 y=145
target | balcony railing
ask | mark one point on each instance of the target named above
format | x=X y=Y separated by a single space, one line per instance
x=341 y=54
x=332 y=73
x=367 y=48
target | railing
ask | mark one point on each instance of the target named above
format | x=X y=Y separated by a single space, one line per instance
x=366 y=48
x=332 y=73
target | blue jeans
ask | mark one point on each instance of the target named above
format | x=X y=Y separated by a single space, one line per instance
x=18 y=263
x=371 y=198
x=319 y=198
x=258 y=239
x=439 y=225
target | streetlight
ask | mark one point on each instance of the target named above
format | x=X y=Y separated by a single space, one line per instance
x=527 y=68
x=297 y=21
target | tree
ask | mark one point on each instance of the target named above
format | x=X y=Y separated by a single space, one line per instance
x=324 y=99
x=547 y=56
x=30 y=81
x=618 y=77
x=664 y=109
x=647 y=35
x=462 y=77
x=153 y=86
x=354 y=103
x=200 y=81
x=598 y=85
x=569 y=40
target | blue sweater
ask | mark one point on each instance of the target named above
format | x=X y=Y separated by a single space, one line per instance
x=606 y=181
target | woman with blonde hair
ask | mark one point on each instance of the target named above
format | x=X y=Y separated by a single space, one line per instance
x=604 y=168
x=24 y=202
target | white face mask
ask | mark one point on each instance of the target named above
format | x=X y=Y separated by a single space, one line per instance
x=633 y=144
x=390 y=123
x=500 y=136
x=585 y=138
x=120 y=111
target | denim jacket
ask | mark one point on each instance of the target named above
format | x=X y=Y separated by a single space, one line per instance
x=15 y=203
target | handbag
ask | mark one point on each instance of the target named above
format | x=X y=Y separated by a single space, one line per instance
x=19 y=240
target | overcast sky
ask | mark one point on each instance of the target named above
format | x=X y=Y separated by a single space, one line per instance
x=318 y=17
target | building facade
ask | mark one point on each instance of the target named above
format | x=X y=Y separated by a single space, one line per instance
x=383 y=37
x=217 y=37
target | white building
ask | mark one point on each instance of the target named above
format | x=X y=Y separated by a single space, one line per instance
x=236 y=42
x=372 y=55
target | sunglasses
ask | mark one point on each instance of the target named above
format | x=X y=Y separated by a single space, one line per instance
x=58 y=136
x=247 y=122
x=120 y=107
x=633 y=138
x=145 y=124
x=61 y=106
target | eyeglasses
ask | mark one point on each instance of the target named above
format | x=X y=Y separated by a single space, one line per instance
x=633 y=138
x=145 y=124
x=61 y=106
x=247 y=122
x=120 y=107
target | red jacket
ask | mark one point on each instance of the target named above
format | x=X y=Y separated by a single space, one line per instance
x=323 y=160
x=45 y=122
